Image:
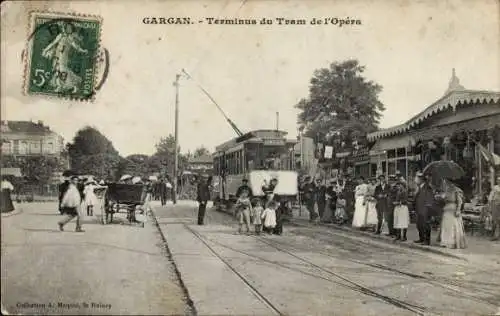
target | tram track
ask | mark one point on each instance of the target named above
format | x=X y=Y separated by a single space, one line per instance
x=344 y=282
x=450 y=285
x=253 y=289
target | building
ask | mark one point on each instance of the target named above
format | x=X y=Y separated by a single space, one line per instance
x=453 y=127
x=26 y=138
x=201 y=164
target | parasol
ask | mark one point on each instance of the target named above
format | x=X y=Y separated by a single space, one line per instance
x=136 y=180
x=125 y=177
x=153 y=178
x=444 y=169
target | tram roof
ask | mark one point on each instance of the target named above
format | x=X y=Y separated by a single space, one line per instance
x=253 y=136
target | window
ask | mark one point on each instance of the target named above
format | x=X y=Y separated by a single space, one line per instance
x=16 y=147
x=6 y=147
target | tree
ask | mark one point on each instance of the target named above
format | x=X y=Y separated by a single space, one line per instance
x=341 y=102
x=165 y=153
x=92 y=153
x=201 y=151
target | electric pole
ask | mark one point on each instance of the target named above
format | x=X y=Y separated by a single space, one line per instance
x=176 y=153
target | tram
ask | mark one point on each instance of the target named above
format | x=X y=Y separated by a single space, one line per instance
x=258 y=156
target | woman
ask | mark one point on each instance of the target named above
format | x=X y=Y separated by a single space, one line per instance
x=331 y=201
x=452 y=227
x=401 y=212
x=371 y=202
x=494 y=205
x=6 y=201
x=360 y=193
x=90 y=197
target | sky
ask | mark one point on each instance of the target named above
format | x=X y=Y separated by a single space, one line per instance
x=252 y=71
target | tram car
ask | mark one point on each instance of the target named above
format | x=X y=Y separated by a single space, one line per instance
x=258 y=156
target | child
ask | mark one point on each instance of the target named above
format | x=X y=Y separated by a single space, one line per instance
x=281 y=211
x=257 y=211
x=269 y=217
x=244 y=208
x=340 y=214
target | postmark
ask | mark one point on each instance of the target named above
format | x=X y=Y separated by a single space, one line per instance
x=63 y=55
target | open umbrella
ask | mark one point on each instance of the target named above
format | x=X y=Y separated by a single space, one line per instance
x=125 y=177
x=153 y=178
x=444 y=169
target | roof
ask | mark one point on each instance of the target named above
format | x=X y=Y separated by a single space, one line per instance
x=26 y=127
x=455 y=95
x=258 y=135
x=205 y=159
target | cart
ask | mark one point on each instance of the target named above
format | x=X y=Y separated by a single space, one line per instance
x=119 y=197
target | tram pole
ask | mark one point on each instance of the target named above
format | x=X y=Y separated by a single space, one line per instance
x=176 y=133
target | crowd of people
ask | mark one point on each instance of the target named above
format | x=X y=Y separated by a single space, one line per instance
x=370 y=204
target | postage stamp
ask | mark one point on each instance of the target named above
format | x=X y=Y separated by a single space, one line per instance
x=61 y=59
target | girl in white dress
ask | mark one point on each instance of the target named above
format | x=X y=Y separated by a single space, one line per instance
x=360 y=209
x=401 y=212
x=90 y=197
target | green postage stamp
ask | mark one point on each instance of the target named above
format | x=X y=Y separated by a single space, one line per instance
x=61 y=60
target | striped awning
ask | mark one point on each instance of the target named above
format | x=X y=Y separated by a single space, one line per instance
x=385 y=144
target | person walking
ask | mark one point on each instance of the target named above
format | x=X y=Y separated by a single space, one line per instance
x=424 y=202
x=494 y=205
x=452 y=226
x=70 y=204
x=382 y=205
x=401 y=212
x=331 y=203
x=63 y=187
x=203 y=195
x=6 y=201
x=162 y=192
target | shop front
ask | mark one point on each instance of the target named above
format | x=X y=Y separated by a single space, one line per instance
x=463 y=126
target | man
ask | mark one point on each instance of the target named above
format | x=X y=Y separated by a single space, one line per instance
x=494 y=205
x=162 y=190
x=203 y=195
x=244 y=187
x=321 y=197
x=382 y=192
x=424 y=202
x=70 y=204
x=310 y=193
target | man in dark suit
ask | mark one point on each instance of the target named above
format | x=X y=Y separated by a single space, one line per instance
x=162 y=191
x=424 y=202
x=310 y=195
x=203 y=195
x=382 y=194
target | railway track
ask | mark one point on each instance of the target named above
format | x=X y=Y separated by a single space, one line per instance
x=342 y=281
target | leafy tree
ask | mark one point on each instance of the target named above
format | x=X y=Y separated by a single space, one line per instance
x=341 y=103
x=165 y=156
x=92 y=153
x=201 y=151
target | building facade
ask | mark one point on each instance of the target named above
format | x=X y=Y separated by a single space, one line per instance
x=26 y=138
x=455 y=127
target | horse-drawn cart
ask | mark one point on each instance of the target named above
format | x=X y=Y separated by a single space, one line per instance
x=119 y=197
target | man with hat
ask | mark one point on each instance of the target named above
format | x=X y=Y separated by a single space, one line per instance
x=244 y=187
x=310 y=194
x=203 y=195
x=424 y=201
x=382 y=194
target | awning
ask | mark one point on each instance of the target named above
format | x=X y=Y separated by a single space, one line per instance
x=385 y=144
x=16 y=172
